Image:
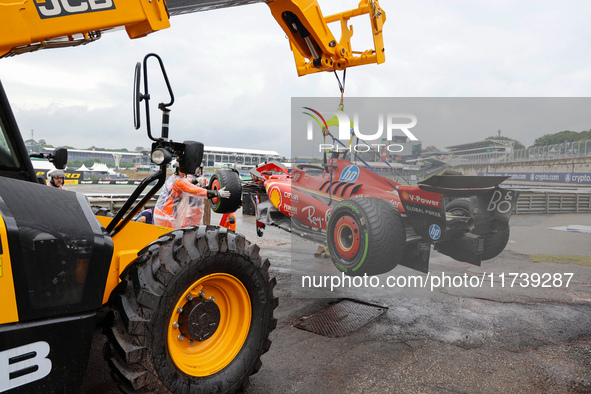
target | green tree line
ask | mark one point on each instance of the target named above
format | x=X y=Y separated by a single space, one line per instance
x=550 y=139
x=563 y=136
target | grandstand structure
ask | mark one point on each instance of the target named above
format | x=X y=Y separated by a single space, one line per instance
x=491 y=150
x=115 y=157
x=486 y=153
x=214 y=155
x=485 y=146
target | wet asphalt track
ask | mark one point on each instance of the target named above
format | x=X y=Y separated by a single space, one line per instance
x=451 y=339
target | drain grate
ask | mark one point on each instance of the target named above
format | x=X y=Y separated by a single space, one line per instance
x=341 y=319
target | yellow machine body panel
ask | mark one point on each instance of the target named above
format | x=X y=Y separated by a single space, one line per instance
x=9 y=311
x=127 y=243
x=27 y=25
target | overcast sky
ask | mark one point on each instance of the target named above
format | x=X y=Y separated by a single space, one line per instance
x=233 y=74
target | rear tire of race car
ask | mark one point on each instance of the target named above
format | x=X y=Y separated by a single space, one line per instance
x=365 y=236
x=494 y=243
x=231 y=181
x=193 y=313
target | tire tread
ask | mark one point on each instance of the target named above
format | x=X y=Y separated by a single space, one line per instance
x=386 y=234
x=143 y=288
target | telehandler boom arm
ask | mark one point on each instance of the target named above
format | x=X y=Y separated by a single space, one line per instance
x=29 y=25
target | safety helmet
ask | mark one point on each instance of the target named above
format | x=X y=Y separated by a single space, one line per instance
x=55 y=173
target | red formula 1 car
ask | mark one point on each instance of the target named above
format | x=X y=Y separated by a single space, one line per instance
x=370 y=223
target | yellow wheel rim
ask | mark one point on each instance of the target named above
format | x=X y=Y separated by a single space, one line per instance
x=204 y=358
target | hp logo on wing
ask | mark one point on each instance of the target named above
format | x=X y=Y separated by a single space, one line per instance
x=434 y=232
x=350 y=174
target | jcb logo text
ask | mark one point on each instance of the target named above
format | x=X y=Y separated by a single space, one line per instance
x=23 y=365
x=55 y=8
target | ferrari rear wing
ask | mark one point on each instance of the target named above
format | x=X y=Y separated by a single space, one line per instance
x=461 y=185
x=488 y=210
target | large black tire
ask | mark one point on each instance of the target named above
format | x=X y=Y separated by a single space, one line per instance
x=229 y=179
x=494 y=243
x=223 y=337
x=365 y=236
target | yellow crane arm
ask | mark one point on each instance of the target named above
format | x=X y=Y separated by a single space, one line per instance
x=28 y=25
x=313 y=44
